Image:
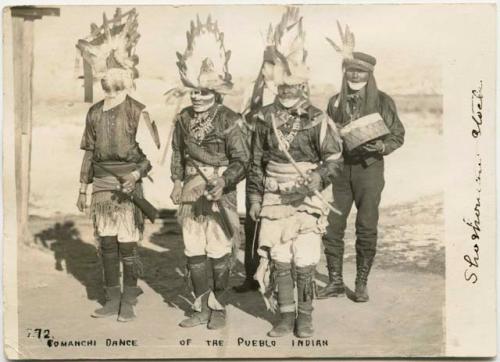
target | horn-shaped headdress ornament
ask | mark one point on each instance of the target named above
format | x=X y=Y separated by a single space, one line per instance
x=112 y=46
x=348 y=42
x=286 y=60
x=350 y=57
x=204 y=63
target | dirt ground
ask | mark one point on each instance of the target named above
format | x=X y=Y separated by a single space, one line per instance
x=62 y=284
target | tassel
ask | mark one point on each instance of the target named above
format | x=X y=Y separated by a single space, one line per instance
x=307 y=291
x=213 y=303
x=273 y=289
x=138 y=266
x=197 y=304
x=233 y=260
x=136 y=263
x=187 y=278
x=309 y=285
x=77 y=69
x=268 y=288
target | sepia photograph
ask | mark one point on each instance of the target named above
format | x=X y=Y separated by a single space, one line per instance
x=249 y=181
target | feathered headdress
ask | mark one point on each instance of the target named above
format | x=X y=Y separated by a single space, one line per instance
x=348 y=42
x=112 y=46
x=350 y=57
x=360 y=61
x=286 y=63
x=204 y=63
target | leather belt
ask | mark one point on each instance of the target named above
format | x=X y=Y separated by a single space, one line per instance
x=209 y=171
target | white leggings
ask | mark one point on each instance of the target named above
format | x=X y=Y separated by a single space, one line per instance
x=205 y=238
x=303 y=251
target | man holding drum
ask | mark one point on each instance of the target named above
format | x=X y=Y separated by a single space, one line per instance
x=371 y=129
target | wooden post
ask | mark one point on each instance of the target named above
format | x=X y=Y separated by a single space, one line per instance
x=23 y=72
x=22 y=23
x=88 y=82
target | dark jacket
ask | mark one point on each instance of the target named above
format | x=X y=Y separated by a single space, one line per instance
x=223 y=145
x=387 y=109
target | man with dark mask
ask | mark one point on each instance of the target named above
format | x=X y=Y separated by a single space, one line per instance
x=362 y=179
x=296 y=152
x=207 y=142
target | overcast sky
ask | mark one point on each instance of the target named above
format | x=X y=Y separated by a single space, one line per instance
x=407 y=40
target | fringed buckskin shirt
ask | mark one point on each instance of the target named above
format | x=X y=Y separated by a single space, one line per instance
x=213 y=138
x=314 y=139
x=111 y=136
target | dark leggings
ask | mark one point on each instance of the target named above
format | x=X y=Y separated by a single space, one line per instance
x=112 y=251
x=110 y=261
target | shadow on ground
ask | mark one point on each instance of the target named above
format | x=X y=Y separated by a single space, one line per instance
x=164 y=271
x=78 y=257
x=410 y=240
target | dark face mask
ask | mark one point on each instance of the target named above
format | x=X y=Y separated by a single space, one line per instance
x=289 y=91
x=290 y=95
x=202 y=99
x=357 y=75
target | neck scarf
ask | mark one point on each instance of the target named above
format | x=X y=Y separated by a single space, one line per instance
x=202 y=123
x=112 y=102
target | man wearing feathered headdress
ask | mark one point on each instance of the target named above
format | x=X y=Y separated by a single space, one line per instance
x=109 y=140
x=371 y=129
x=295 y=153
x=208 y=145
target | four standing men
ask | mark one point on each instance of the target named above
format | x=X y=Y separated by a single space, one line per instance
x=295 y=154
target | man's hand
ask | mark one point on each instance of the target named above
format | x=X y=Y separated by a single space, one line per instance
x=374 y=147
x=254 y=211
x=81 y=203
x=129 y=182
x=175 y=196
x=315 y=182
x=217 y=187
